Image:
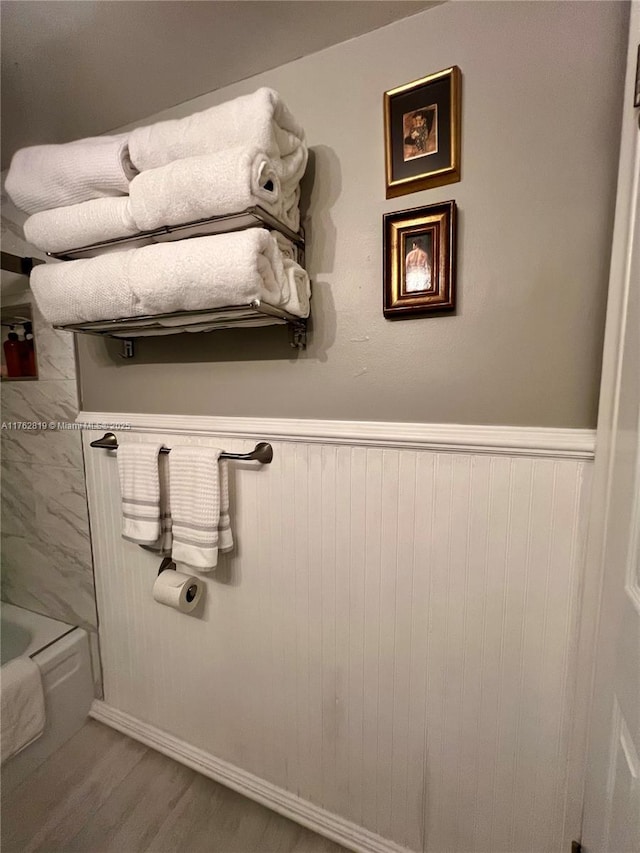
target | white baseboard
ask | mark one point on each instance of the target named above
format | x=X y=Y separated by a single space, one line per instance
x=453 y=438
x=279 y=800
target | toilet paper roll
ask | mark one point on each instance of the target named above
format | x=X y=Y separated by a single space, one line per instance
x=177 y=590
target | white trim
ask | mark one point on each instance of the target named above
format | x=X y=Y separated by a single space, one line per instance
x=458 y=438
x=626 y=217
x=279 y=800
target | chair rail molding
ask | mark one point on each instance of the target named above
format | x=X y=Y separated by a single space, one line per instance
x=456 y=438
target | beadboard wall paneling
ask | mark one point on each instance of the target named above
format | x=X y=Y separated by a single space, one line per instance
x=391 y=640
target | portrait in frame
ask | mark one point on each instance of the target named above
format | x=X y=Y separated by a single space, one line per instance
x=419 y=260
x=422 y=133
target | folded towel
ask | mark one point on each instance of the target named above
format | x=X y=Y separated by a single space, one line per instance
x=200 y=529
x=46 y=176
x=297 y=302
x=287 y=249
x=162 y=546
x=165 y=540
x=225 y=540
x=209 y=272
x=85 y=290
x=140 y=491
x=77 y=225
x=261 y=118
x=21 y=705
x=188 y=275
x=210 y=185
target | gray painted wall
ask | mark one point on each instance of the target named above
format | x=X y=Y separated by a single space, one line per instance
x=542 y=87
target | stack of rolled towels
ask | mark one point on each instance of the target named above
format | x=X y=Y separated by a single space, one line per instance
x=243 y=153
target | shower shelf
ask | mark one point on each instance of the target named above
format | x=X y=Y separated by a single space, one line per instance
x=250 y=218
x=253 y=314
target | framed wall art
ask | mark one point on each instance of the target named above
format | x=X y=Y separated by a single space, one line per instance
x=422 y=133
x=419 y=260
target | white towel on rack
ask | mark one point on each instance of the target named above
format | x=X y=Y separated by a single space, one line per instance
x=225 y=536
x=209 y=185
x=209 y=272
x=42 y=177
x=85 y=290
x=298 y=300
x=66 y=228
x=261 y=118
x=21 y=705
x=140 y=491
x=287 y=248
x=188 y=275
x=164 y=542
x=199 y=491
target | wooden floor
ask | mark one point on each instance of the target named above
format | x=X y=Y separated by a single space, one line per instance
x=103 y=792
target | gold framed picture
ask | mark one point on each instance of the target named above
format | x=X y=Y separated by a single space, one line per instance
x=422 y=133
x=419 y=260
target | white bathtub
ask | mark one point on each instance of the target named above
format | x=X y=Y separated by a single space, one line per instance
x=62 y=653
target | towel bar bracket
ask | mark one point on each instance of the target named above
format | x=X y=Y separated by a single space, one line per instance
x=298 y=334
x=128 y=350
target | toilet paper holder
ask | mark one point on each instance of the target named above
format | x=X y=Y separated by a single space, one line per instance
x=167 y=563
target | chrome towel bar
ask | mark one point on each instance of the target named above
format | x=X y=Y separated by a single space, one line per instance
x=262 y=452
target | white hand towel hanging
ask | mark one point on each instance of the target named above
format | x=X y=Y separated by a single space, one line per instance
x=140 y=491
x=199 y=506
x=162 y=545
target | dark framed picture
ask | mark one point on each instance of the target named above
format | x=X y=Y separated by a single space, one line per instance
x=422 y=133
x=419 y=260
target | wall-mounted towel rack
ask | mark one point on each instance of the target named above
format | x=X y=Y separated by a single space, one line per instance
x=255 y=314
x=262 y=452
x=250 y=218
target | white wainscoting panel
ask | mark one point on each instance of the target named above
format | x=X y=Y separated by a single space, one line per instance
x=392 y=639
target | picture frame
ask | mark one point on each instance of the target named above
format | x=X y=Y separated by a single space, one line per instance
x=420 y=261
x=422 y=133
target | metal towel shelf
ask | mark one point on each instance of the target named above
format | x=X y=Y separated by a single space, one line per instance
x=263 y=452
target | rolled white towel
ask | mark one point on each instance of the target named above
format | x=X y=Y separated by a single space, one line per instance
x=188 y=275
x=78 y=225
x=209 y=272
x=261 y=118
x=209 y=185
x=42 y=177
x=85 y=290
x=297 y=302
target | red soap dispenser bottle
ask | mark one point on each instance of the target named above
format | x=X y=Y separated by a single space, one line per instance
x=27 y=351
x=12 y=355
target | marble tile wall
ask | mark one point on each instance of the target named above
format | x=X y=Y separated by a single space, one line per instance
x=46 y=550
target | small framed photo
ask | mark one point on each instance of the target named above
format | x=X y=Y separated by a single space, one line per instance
x=422 y=133
x=419 y=260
